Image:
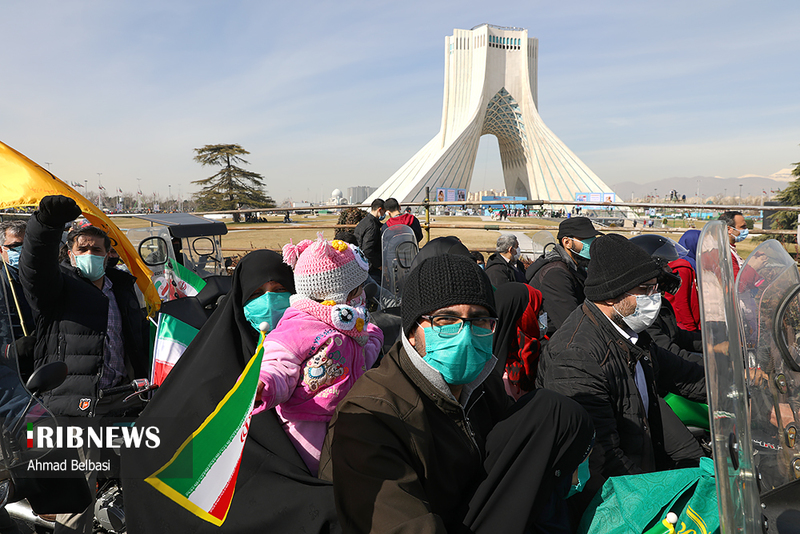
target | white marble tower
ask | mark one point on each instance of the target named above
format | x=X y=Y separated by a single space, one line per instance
x=490 y=87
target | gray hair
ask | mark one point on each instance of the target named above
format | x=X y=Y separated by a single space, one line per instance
x=16 y=228
x=504 y=242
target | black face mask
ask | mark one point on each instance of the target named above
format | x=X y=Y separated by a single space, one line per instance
x=112 y=262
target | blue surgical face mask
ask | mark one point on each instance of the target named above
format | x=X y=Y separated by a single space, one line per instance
x=743 y=233
x=587 y=243
x=268 y=308
x=583 y=478
x=90 y=266
x=460 y=358
x=13 y=255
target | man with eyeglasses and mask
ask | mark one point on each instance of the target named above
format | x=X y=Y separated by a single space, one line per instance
x=603 y=358
x=12 y=234
x=429 y=442
x=504 y=266
x=561 y=273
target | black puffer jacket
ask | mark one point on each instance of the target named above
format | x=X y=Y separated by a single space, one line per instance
x=368 y=234
x=561 y=282
x=501 y=271
x=71 y=317
x=590 y=361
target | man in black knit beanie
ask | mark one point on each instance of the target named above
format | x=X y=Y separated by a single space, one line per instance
x=430 y=442
x=604 y=359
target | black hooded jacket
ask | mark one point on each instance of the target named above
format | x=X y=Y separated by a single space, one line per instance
x=561 y=282
x=590 y=361
x=71 y=316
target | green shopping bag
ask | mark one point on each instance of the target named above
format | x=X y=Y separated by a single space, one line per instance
x=639 y=503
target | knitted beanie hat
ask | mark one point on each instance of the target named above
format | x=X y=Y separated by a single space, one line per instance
x=326 y=270
x=442 y=281
x=617 y=266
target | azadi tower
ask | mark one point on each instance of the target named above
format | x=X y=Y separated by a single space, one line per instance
x=490 y=87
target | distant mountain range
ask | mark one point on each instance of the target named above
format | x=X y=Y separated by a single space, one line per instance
x=752 y=185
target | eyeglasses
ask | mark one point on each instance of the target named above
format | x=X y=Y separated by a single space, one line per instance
x=451 y=325
x=648 y=289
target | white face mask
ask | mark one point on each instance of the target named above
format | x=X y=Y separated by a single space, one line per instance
x=516 y=254
x=644 y=316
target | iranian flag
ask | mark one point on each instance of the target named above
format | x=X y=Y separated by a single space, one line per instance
x=186 y=283
x=201 y=476
x=172 y=338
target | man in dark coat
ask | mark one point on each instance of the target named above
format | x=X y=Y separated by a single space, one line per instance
x=504 y=266
x=561 y=273
x=86 y=316
x=603 y=358
x=368 y=236
x=429 y=442
x=12 y=234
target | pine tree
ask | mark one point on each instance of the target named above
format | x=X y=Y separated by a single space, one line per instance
x=790 y=196
x=232 y=187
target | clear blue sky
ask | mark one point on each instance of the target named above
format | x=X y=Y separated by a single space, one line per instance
x=336 y=94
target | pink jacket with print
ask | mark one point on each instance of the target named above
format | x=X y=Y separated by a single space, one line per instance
x=309 y=366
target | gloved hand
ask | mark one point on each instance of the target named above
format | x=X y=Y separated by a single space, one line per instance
x=57 y=210
x=25 y=346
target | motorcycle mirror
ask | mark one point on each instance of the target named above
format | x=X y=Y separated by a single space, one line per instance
x=47 y=377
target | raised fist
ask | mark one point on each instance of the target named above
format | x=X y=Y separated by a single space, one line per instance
x=58 y=210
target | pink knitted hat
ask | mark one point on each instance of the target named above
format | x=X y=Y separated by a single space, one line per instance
x=326 y=270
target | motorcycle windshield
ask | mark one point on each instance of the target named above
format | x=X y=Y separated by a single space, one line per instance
x=542 y=241
x=738 y=499
x=20 y=414
x=399 y=249
x=154 y=245
x=769 y=303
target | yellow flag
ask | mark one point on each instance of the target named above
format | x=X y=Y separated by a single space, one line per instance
x=25 y=183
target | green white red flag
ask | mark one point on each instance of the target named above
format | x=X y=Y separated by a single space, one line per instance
x=172 y=338
x=186 y=282
x=201 y=476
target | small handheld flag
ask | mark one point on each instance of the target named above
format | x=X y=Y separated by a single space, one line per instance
x=201 y=476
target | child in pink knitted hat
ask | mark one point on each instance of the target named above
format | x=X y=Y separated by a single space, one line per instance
x=323 y=343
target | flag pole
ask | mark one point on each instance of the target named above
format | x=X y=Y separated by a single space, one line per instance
x=16 y=300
